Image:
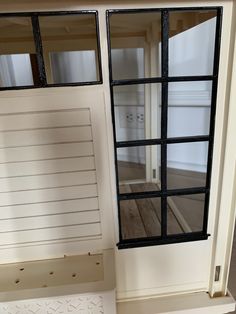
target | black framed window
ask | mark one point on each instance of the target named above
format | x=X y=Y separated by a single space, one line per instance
x=46 y=49
x=163 y=67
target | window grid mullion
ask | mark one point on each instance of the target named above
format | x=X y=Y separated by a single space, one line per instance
x=164 y=80
x=213 y=113
x=39 y=50
x=164 y=116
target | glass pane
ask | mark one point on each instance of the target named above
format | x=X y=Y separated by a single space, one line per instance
x=70 y=48
x=188 y=212
x=191 y=44
x=139 y=168
x=137 y=111
x=17 y=52
x=63 y=66
x=140 y=218
x=130 y=34
x=189 y=108
x=187 y=165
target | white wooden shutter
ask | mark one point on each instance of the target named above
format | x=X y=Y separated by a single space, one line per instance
x=52 y=143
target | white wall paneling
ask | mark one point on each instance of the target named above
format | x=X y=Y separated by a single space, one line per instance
x=52 y=173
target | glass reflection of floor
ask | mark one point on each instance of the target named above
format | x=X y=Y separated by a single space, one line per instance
x=142 y=217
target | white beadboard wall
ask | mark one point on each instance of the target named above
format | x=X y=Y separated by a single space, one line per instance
x=51 y=191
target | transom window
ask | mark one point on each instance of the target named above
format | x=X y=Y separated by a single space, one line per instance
x=163 y=82
x=49 y=49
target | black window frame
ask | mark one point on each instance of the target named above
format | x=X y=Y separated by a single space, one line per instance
x=164 y=80
x=39 y=47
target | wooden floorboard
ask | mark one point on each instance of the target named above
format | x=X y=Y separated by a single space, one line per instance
x=147 y=211
x=192 y=211
x=144 y=215
x=131 y=221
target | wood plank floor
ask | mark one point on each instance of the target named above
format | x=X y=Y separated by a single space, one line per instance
x=142 y=217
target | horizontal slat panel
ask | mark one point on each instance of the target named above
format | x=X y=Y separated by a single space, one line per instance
x=49 y=221
x=45 y=152
x=46 y=166
x=47 y=195
x=45 y=136
x=51 y=208
x=50 y=234
x=45 y=119
x=47 y=181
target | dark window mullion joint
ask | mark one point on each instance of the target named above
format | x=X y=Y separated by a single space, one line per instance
x=167 y=193
x=159 y=141
x=164 y=116
x=39 y=50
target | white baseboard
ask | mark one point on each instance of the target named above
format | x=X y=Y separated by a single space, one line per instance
x=195 y=303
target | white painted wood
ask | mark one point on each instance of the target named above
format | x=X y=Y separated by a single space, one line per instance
x=52 y=272
x=30 y=223
x=43 y=152
x=49 y=208
x=61 y=188
x=46 y=234
x=32 y=168
x=63 y=291
x=224 y=235
x=47 y=181
x=195 y=303
x=87 y=283
x=45 y=136
x=33 y=120
x=47 y=195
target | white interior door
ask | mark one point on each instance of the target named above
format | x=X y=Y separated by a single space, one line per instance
x=183 y=266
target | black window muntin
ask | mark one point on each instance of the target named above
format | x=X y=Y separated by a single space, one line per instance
x=164 y=79
x=39 y=47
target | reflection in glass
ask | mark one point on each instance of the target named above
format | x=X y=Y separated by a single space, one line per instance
x=131 y=34
x=189 y=108
x=191 y=44
x=70 y=48
x=128 y=63
x=187 y=165
x=137 y=111
x=17 y=52
x=189 y=212
x=63 y=66
x=140 y=218
x=139 y=168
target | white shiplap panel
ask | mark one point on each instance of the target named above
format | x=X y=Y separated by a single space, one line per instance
x=45 y=136
x=47 y=234
x=47 y=181
x=46 y=166
x=45 y=152
x=49 y=221
x=48 y=176
x=50 y=208
x=47 y=119
x=47 y=195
